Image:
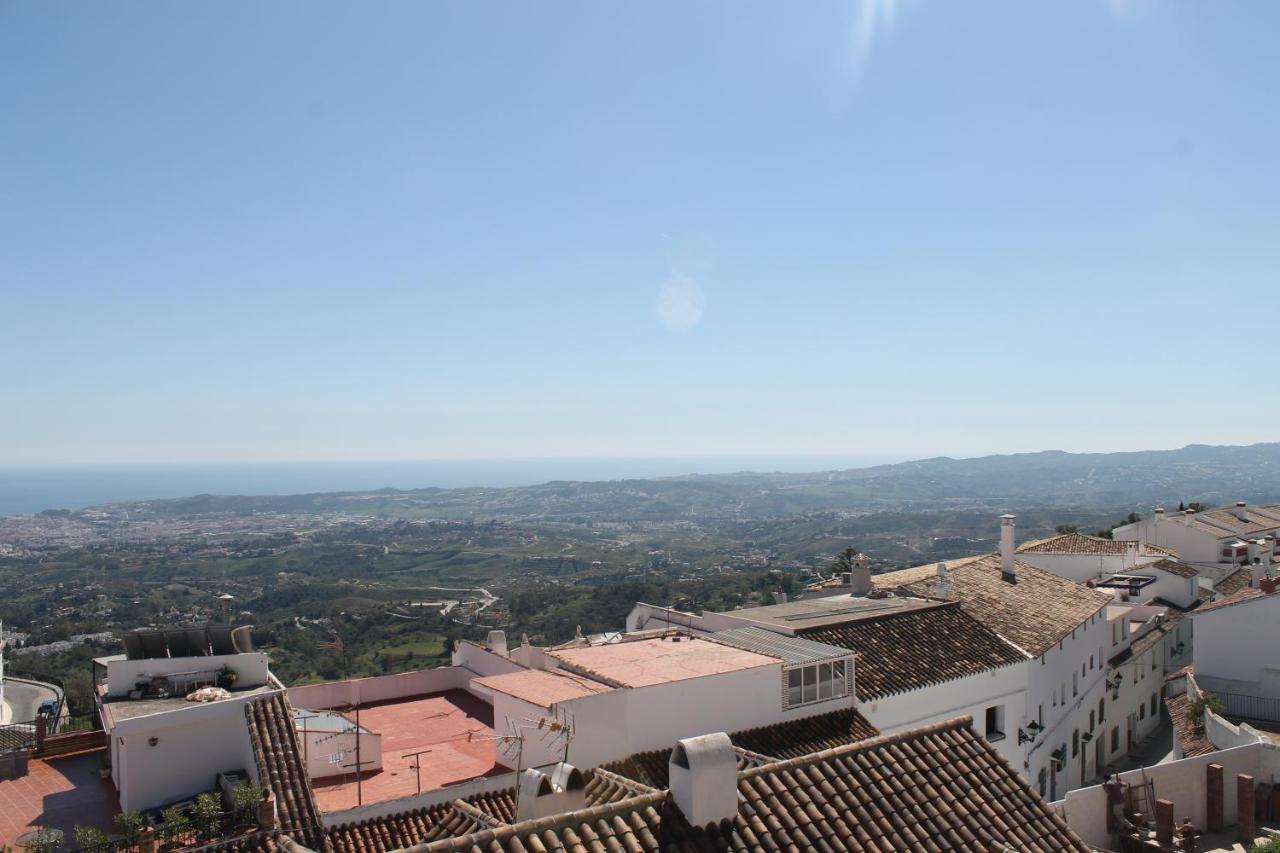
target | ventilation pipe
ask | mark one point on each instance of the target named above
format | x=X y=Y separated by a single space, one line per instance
x=704 y=779
x=1008 y=527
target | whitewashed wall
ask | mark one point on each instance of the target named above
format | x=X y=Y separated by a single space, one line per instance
x=1230 y=644
x=1182 y=782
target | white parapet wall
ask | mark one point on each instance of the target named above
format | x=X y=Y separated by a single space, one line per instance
x=123 y=674
x=482 y=785
x=1183 y=782
x=379 y=688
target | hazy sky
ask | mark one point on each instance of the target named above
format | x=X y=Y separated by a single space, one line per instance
x=428 y=229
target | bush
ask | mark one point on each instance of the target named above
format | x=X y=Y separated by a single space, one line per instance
x=244 y=801
x=175 y=826
x=90 y=839
x=130 y=825
x=45 y=841
x=208 y=816
x=1204 y=702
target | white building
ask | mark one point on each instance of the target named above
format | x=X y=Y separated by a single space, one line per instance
x=1062 y=627
x=1234 y=654
x=163 y=747
x=919 y=661
x=1216 y=541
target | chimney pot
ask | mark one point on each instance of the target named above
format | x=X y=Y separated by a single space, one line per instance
x=543 y=795
x=1008 y=527
x=704 y=778
x=860 y=578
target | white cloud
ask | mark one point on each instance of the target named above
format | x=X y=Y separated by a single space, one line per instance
x=872 y=19
x=681 y=303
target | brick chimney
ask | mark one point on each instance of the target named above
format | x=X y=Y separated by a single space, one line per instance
x=267 y=811
x=1269 y=584
x=703 y=774
x=1008 y=567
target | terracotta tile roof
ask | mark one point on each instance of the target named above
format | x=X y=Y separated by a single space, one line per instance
x=1223 y=522
x=1191 y=738
x=907 y=650
x=790 y=739
x=1149 y=548
x=936 y=788
x=462 y=817
x=1173 y=567
x=280 y=767
x=1239 y=597
x=1076 y=543
x=1234 y=582
x=1034 y=613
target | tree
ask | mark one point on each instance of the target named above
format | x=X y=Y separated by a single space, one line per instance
x=1066 y=528
x=844 y=561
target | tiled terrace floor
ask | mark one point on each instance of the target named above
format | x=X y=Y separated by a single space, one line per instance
x=57 y=792
x=454 y=726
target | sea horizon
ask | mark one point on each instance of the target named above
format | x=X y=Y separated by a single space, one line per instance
x=30 y=489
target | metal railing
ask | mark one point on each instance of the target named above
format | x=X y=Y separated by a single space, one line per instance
x=1244 y=706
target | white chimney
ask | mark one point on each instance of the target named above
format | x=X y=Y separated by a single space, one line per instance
x=860 y=578
x=1159 y=512
x=1008 y=527
x=944 y=582
x=780 y=597
x=498 y=643
x=1239 y=511
x=543 y=795
x=703 y=775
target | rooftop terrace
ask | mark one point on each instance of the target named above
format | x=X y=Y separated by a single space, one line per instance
x=455 y=730
x=660 y=660
x=57 y=793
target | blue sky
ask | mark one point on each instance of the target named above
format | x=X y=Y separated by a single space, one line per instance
x=245 y=231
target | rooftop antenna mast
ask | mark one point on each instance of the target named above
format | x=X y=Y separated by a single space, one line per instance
x=558 y=728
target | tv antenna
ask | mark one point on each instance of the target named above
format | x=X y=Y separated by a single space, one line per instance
x=557 y=729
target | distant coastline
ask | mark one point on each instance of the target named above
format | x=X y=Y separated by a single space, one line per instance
x=28 y=490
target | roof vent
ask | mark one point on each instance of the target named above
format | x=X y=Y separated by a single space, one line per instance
x=703 y=774
x=562 y=790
